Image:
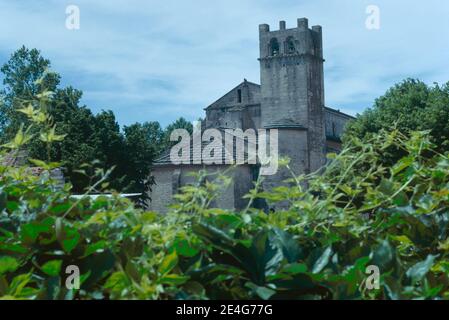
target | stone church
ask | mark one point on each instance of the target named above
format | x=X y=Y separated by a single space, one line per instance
x=290 y=98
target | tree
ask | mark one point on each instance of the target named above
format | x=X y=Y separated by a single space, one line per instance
x=88 y=138
x=25 y=74
x=142 y=145
x=110 y=147
x=181 y=123
x=409 y=105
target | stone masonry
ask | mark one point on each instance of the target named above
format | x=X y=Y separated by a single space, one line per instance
x=289 y=99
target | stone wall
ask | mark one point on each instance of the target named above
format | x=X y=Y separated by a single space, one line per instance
x=335 y=123
x=236 y=108
x=170 y=178
x=290 y=99
x=292 y=92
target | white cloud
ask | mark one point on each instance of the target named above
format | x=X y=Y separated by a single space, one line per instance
x=158 y=60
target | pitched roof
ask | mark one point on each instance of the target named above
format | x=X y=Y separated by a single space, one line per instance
x=245 y=82
x=338 y=112
x=227 y=152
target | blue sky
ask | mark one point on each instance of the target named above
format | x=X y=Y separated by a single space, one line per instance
x=159 y=60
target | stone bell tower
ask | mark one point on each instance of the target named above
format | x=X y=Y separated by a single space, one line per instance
x=292 y=94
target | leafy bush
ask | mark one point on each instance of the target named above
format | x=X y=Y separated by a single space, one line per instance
x=93 y=139
x=410 y=105
x=356 y=213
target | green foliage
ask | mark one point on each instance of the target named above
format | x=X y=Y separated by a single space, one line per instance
x=408 y=106
x=142 y=144
x=181 y=123
x=91 y=141
x=25 y=75
x=356 y=213
x=361 y=210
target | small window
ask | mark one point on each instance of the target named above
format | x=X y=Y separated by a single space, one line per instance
x=333 y=130
x=290 y=45
x=239 y=96
x=274 y=47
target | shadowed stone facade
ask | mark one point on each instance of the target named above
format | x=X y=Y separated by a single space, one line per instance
x=289 y=99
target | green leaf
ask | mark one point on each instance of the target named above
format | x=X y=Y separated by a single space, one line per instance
x=383 y=256
x=289 y=246
x=213 y=235
x=51 y=136
x=402 y=164
x=184 y=248
x=264 y=258
x=401 y=200
x=387 y=187
x=38 y=162
x=169 y=262
x=12 y=205
x=117 y=281
x=28 y=111
x=174 y=279
x=132 y=271
x=322 y=261
x=295 y=268
x=419 y=270
x=16 y=248
x=8 y=264
x=95 y=247
x=52 y=268
x=31 y=231
x=22 y=137
x=60 y=208
x=70 y=240
x=263 y=292
x=99 y=265
x=18 y=284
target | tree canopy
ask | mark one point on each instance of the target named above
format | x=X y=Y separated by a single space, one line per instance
x=94 y=139
x=408 y=106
